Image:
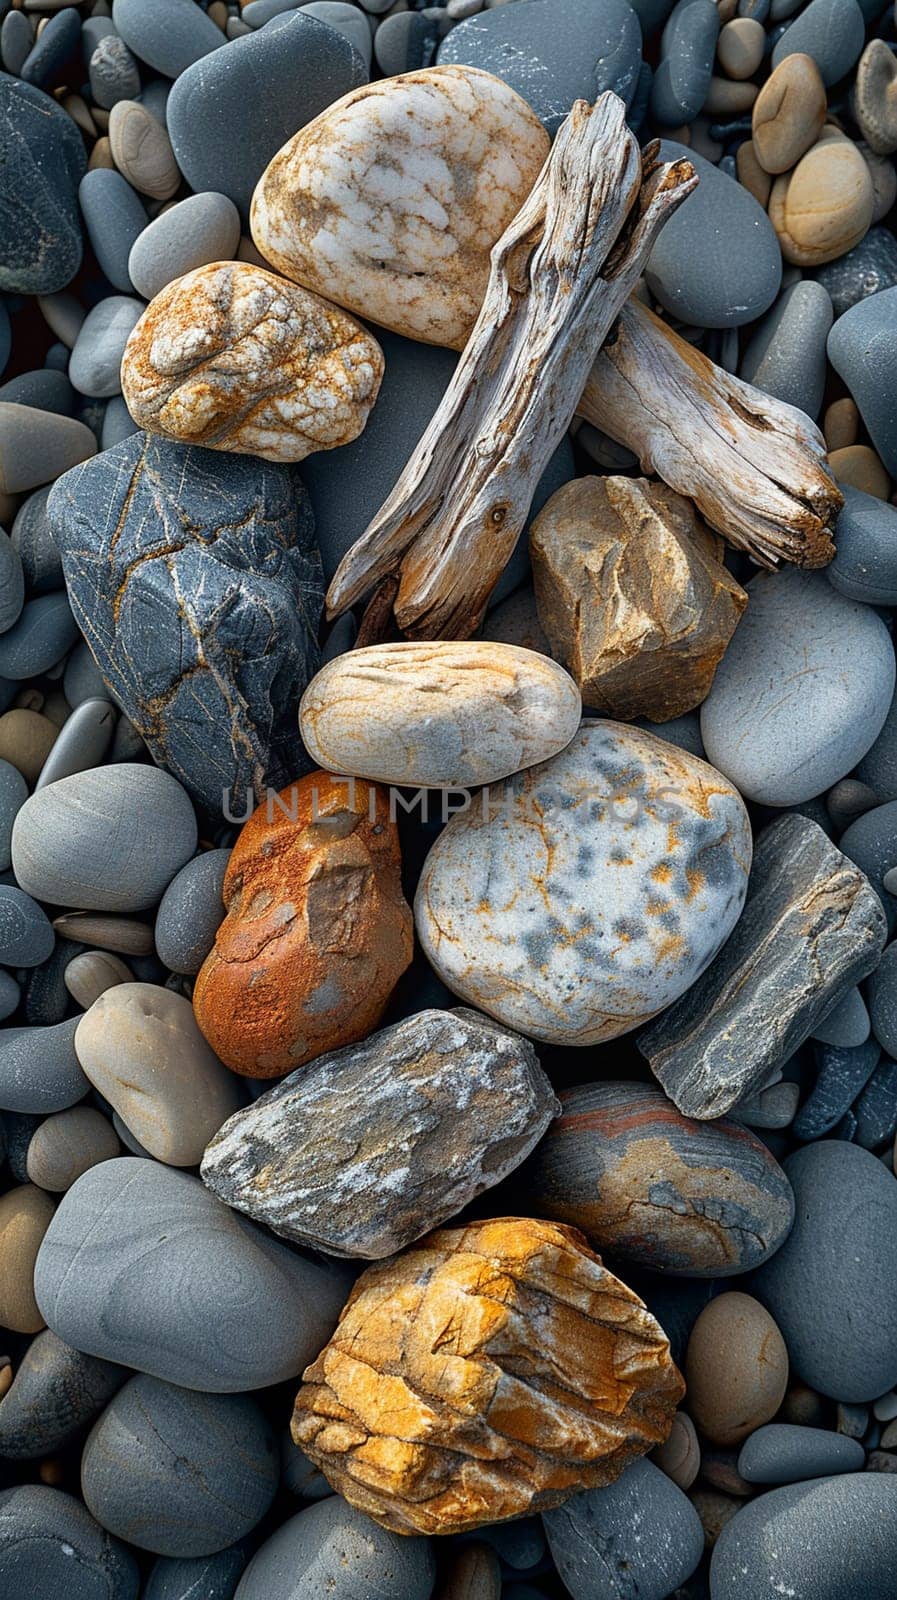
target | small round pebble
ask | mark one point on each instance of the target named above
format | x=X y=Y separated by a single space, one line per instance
x=786 y=354
x=26 y=739
x=56 y=1390
x=332 y=1549
x=26 y=937
x=781 y=1453
x=113 y=73
x=736 y=1368
x=141 y=150
x=95 y=367
x=115 y=217
x=67 y=1144
x=39 y=1071
x=598 y=1543
x=858 y=467
x=191 y=912
x=680 y=1455
x=200 y=229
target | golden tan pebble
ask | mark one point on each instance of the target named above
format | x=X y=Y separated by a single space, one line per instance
x=750 y=173
x=841 y=424
x=727 y=98
x=101 y=155
x=789 y=113
x=25 y=1216
x=860 y=467
x=736 y=1368
x=740 y=47
x=824 y=207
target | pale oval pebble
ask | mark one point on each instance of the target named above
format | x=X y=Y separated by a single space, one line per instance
x=123 y=935
x=440 y=714
x=141 y=150
x=196 y=231
x=67 y=1144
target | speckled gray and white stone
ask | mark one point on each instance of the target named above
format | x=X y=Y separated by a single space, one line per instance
x=39 y=1071
x=200 y=229
x=51 y=1545
x=833 y=1539
x=95 y=367
x=783 y=1452
x=176 y=1472
x=110 y=839
x=552 y=55
x=55 y=1392
x=191 y=911
x=689 y=268
x=200 y=1578
x=802 y=691
x=582 y=896
x=841 y=1075
x=44 y=160
x=862 y=348
x=13 y=794
x=114 y=216
x=786 y=354
x=638 y=1539
x=332 y=1549
x=876 y=1109
x=865 y=564
x=169 y=36
x=43 y=633
x=868 y=268
x=41 y=561
x=687 y=52
x=832 y=1287
x=112 y=71
x=173 y=1283
x=83 y=741
x=369 y=1147
x=26 y=937
x=831 y=31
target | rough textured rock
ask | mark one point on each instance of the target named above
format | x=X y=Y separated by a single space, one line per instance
x=649 y=1185
x=812 y=926
x=460 y=153
x=317 y=932
x=370 y=1147
x=446 y=714
x=633 y=595
x=55 y=1392
x=491 y=1371
x=232 y=358
x=43 y=162
x=579 y=898
x=196 y=581
x=598 y=1538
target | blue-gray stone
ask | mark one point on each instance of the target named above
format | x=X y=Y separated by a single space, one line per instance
x=114 y=216
x=93 y=29
x=783 y=1452
x=868 y=268
x=862 y=348
x=41 y=561
x=202 y=228
x=51 y=1545
x=690 y=268
x=169 y=35
x=176 y=1472
x=345 y=19
x=687 y=51
x=95 y=366
x=876 y=1109
x=871 y=842
x=43 y=389
x=26 y=936
x=882 y=992
x=332 y=1549
x=47 y=1000
x=43 y=634
x=786 y=354
x=82 y=680
x=832 y=1287
x=118 y=423
x=39 y=1071
x=43 y=162
x=10 y=999
x=113 y=72
x=552 y=52
x=833 y=32
x=841 y=1076
x=878 y=767
x=847 y=1024
x=52 y=53
x=172 y=1282
x=191 y=912
x=405 y=42
x=16 y=40
x=83 y=741
x=599 y=1544
x=12 y=583
x=202 y=611
x=231 y=113
x=830 y=1539
x=865 y=564
x=55 y=1391
x=5 y=339
x=203 y=1578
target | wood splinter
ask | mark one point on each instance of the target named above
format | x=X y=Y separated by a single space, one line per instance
x=559 y=276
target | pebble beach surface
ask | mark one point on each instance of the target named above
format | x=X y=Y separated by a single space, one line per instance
x=448 y=799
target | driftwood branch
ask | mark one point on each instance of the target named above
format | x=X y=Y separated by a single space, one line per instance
x=559 y=276
x=754 y=467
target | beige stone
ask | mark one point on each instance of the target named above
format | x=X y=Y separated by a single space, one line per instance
x=442 y=715
x=127 y=936
x=874 y=97
x=141 y=150
x=825 y=206
x=140 y=1046
x=859 y=466
x=391 y=200
x=101 y=155
x=633 y=595
x=68 y=1144
x=233 y=358
x=884 y=181
x=736 y=1368
x=91 y=973
x=727 y=98
x=788 y=113
x=750 y=173
x=680 y=1455
x=740 y=47
x=26 y=739
x=25 y=1215
x=841 y=424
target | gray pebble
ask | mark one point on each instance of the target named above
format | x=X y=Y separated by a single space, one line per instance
x=83 y=741
x=118 y=423
x=346 y=20
x=45 y=65
x=114 y=216
x=202 y=1578
x=882 y=991
x=871 y=842
x=63 y=313
x=95 y=367
x=43 y=162
x=26 y=937
x=55 y=1392
x=176 y=1472
x=406 y=42
x=831 y=31
x=10 y=995
x=44 y=389
x=41 y=562
x=865 y=564
x=50 y=1545
x=200 y=229
x=331 y=1549
x=113 y=72
x=191 y=912
x=868 y=268
x=687 y=52
x=169 y=35
x=862 y=348
x=45 y=631
x=846 y=1025
x=299 y=1475
x=12 y=583
x=876 y=1109
x=110 y=839
x=835 y=1539
x=68 y=1144
x=81 y=679
x=39 y=1071
x=36 y=446
x=842 y=1075
x=172 y=1282
x=781 y=1452
x=16 y=40
x=599 y=1545
x=786 y=354
x=46 y=996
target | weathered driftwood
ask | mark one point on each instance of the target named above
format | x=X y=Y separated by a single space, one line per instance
x=754 y=466
x=560 y=274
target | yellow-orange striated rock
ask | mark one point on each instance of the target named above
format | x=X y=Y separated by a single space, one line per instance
x=491 y=1371
x=317 y=932
x=633 y=595
x=234 y=358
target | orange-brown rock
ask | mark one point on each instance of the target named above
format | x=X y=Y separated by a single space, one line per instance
x=491 y=1371
x=633 y=595
x=317 y=932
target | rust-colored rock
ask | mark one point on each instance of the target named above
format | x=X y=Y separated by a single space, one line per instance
x=317 y=932
x=491 y=1371
x=633 y=595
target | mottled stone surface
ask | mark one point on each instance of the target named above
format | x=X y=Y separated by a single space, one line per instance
x=55 y=1392
x=649 y=1185
x=812 y=926
x=43 y=162
x=579 y=898
x=441 y=714
x=196 y=581
x=371 y=1146
x=233 y=358
x=391 y=200
x=317 y=931
x=633 y=595
x=491 y=1371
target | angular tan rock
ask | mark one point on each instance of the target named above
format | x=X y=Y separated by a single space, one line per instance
x=141 y=150
x=446 y=714
x=824 y=206
x=788 y=113
x=491 y=1371
x=141 y=1048
x=391 y=200
x=233 y=358
x=633 y=595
